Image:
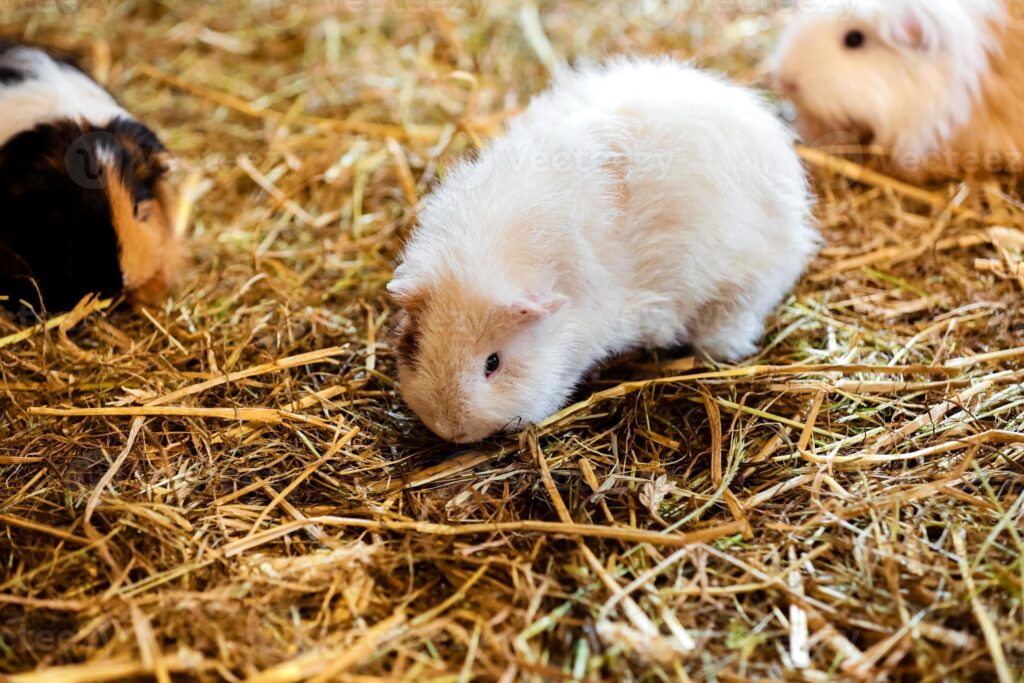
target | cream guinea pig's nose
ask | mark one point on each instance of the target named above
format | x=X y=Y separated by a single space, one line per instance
x=788 y=86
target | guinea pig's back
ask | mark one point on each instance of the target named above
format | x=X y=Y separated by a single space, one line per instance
x=669 y=94
x=695 y=129
x=36 y=88
x=994 y=139
x=714 y=179
x=691 y=126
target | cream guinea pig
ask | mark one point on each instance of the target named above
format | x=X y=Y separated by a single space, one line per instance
x=640 y=204
x=937 y=84
x=85 y=204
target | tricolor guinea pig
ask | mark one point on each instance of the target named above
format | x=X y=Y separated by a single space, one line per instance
x=85 y=204
x=639 y=204
x=938 y=84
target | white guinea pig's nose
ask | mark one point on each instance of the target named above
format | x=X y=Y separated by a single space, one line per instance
x=447 y=431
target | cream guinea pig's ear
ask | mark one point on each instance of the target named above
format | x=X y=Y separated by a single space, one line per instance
x=530 y=308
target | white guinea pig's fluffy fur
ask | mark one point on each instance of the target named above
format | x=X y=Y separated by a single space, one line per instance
x=939 y=84
x=641 y=204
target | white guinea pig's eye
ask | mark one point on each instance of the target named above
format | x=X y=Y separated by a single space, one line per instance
x=854 y=39
x=492 y=364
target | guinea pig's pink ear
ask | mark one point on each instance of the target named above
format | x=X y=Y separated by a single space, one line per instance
x=912 y=29
x=530 y=308
x=913 y=32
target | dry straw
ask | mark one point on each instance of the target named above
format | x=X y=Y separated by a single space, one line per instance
x=227 y=488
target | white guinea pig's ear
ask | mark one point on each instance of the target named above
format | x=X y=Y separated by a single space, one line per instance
x=530 y=308
x=913 y=29
x=912 y=32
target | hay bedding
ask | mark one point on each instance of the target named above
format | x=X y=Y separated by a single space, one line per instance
x=251 y=500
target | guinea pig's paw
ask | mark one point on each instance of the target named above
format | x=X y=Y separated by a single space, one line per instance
x=725 y=349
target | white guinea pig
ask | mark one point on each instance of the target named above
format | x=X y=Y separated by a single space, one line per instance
x=85 y=204
x=641 y=204
x=938 y=84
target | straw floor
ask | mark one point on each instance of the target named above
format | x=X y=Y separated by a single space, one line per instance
x=227 y=487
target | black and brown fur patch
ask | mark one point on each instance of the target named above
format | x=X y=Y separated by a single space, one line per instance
x=85 y=210
x=8 y=73
x=406 y=337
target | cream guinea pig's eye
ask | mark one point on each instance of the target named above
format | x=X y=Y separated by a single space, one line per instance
x=492 y=364
x=854 y=39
